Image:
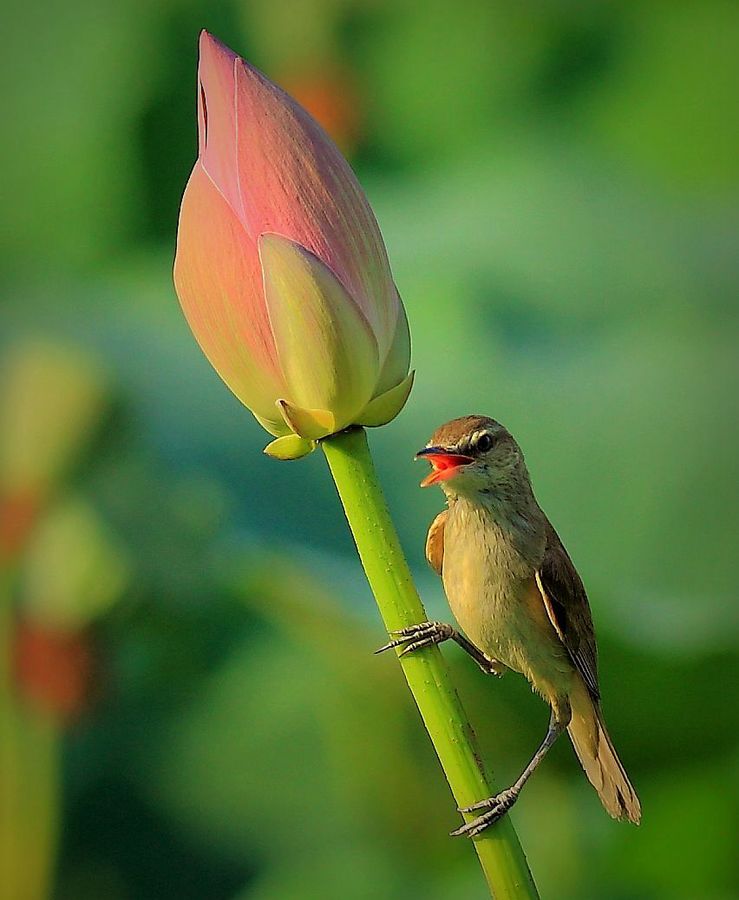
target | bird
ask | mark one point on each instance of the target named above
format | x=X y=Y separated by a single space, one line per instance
x=519 y=601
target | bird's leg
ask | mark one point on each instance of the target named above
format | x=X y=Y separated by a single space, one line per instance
x=427 y=633
x=499 y=805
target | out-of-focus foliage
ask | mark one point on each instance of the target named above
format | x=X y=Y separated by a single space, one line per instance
x=557 y=186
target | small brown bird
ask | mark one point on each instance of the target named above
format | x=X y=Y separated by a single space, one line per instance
x=517 y=595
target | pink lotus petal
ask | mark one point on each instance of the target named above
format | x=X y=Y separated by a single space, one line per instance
x=217 y=132
x=218 y=280
x=295 y=182
x=292 y=180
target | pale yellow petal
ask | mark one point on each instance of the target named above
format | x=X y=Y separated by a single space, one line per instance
x=326 y=349
x=308 y=423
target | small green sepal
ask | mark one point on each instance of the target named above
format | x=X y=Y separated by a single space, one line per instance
x=291 y=446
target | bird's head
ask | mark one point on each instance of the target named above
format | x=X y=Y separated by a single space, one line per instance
x=474 y=455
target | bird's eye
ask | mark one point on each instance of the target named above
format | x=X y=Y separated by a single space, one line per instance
x=484 y=443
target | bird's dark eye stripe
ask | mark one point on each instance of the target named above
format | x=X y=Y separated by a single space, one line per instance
x=483 y=442
x=478 y=443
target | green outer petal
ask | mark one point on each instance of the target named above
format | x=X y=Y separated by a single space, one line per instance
x=292 y=446
x=326 y=349
x=398 y=359
x=308 y=423
x=386 y=407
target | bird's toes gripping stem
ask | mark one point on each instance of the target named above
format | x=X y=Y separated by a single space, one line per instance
x=415 y=637
x=495 y=808
x=491 y=666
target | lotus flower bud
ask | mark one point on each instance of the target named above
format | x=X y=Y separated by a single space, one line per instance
x=281 y=270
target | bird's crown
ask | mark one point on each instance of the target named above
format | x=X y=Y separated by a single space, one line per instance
x=463 y=434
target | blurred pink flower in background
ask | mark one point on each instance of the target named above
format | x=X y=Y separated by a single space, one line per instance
x=53 y=669
x=281 y=269
x=328 y=92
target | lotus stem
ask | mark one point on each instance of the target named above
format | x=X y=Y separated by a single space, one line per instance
x=499 y=851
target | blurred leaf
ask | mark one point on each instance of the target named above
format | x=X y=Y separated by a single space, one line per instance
x=52 y=397
x=669 y=108
x=70 y=174
x=74 y=569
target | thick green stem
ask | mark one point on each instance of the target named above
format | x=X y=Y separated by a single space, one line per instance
x=498 y=849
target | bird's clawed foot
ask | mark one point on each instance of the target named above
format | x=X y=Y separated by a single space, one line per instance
x=490 y=666
x=415 y=637
x=427 y=633
x=495 y=808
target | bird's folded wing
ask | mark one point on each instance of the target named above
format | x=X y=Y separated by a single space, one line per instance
x=566 y=603
x=435 y=542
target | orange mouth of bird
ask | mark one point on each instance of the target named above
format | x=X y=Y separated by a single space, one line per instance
x=444 y=465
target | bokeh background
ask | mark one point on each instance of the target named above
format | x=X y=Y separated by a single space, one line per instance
x=189 y=707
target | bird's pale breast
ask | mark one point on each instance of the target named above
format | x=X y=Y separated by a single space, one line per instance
x=492 y=592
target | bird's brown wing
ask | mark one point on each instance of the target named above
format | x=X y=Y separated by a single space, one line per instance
x=435 y=542
x=569 y=612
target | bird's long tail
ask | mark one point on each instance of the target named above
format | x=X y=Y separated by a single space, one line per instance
x=598 y=757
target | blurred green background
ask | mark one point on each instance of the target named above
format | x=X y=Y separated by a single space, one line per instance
x=189 y=706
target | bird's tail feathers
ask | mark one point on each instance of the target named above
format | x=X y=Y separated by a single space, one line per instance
x=596 y=752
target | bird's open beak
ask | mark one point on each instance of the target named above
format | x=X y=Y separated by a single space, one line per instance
x=445 y=465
